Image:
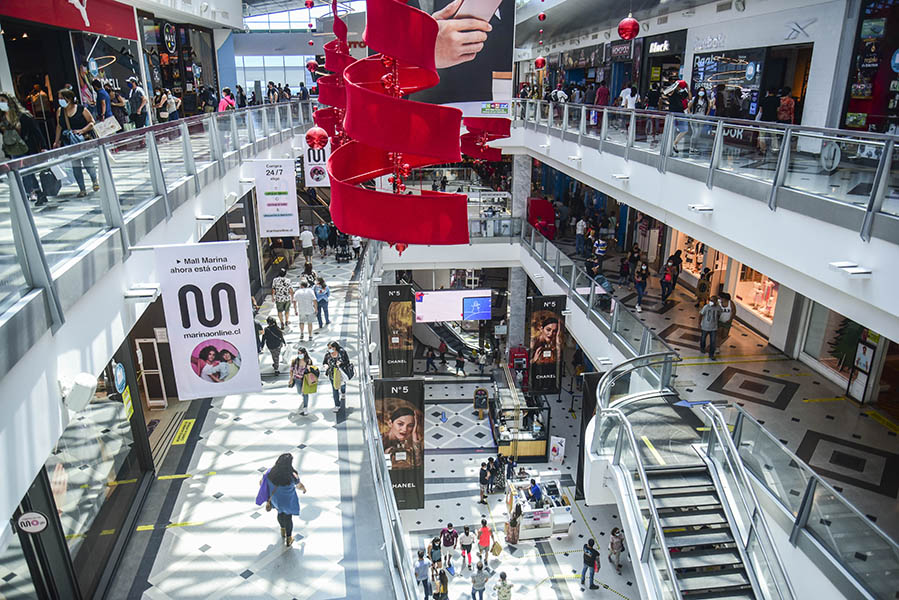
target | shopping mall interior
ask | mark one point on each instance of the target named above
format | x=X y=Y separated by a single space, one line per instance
x=450 y=299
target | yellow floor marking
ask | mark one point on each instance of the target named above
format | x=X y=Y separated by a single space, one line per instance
x=183 y=432
x=107 y=532
x=653 y=451
x=834 y=399
x=560 y=552
x=182 y=476
x=674 y=530
x=578 y=577
x=883 y=420
x=795 y=375
x=73 y=536
x=184 y=524
x=122 y=482
x=144 y=527
x=583 y=518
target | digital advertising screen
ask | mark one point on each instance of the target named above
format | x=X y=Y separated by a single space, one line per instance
x=452 y=305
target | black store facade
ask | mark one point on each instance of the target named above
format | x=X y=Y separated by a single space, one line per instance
x=663 y=59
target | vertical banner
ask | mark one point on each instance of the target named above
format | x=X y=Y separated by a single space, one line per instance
x=400 y=407
x=556 y=449
x=276 y=197
x=315 y=162
x=206 y=299
x=546 y=330
x=396 y=315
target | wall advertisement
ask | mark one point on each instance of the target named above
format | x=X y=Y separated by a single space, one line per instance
x=315 y=165
x=276 y=198
x=396 y=316
x=400 y=407
x=206 y=299
x=545 y=339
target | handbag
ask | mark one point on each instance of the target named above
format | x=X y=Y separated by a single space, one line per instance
x=163 y=114
x=496 y=549
x=13 y=144
x=50 y=184
x=69 y=137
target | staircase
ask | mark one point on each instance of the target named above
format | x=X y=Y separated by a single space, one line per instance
x=706 y=560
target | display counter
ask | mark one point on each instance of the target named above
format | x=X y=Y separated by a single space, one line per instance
x=551 y=517
x=520 y=427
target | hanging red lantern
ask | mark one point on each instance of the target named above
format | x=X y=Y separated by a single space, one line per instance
x=541 y=17
x=310 y=3
x=539 y=62
x=316 y=138
x=628 y=28
x=311 y=66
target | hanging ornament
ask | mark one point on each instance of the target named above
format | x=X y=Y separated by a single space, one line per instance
x=311 y=66
x=311 y=25
x=311 y=43
x=628 y=28
x=539 y=62
x=540 y=42
x=316 y=138
x=310 y=3
x=541 y=17
x=541 y=32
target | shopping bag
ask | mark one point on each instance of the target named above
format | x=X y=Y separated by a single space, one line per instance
x=50 y=184
x=107 y=126
x=451 y=570
x=496 y=549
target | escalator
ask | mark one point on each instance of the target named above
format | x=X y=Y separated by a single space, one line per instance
x=698 y=535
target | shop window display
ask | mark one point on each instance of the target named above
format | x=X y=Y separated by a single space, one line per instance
x=692 y=252
x=756 y=292
x=832 y=339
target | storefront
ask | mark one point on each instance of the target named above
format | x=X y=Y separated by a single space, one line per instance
x=872 y=95
x=663 y=59
x=581 y=65
x=740 y=71
x=624 y=57
x=179 y=57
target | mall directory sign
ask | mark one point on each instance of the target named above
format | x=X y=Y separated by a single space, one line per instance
x=545 y=339
x=396 y=314
x=205 y=292
x=400 y=407
x=276 y=197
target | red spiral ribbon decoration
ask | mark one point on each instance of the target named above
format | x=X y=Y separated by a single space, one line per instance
x=481 y=131
x=388 y=134
x=331 y=89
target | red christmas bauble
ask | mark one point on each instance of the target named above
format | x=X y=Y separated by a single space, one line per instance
x=539 y=62
x=400 y=246
x=311 y=66
x=628 y=28
x=541 y=17
x=311 y=25
x=311 y=43
x=310 y=3
x=540 y=32
x=316 y=138
x=540 y=42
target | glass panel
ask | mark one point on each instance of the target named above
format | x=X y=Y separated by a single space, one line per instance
x=648 y=133
x=732 y=487
x=12 y=277
x=891 y=198
x=171 y=155
x=768 y=571
x=740 y=152
x=243 y=130
x=832 y=339
x=609 y=431
x=693 y=140
x=15 y=578
x=574 y=117
x=657 y=553
x=594 y=123
x=765 y=458
x=629 y=328
x=258 y=117
x=199 y=143
x=837 y=168
x=544 y=112
x=619 y=123
x=272 y=121
x=282 y=114
x=850 y=537
x=223 y=122
x=128 y=160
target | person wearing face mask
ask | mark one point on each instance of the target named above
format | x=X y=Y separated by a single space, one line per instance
x=137 y=99
x=641 y=278
x=338 y=370
x=21 y=137
x=701 y=106
x=75 y=124
x=667 y=279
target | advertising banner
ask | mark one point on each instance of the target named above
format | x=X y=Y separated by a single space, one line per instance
x=400 y=407
x=276 y=198
x=396 y=314
x=315 y=161
x=545 y=339
x=205 y=292
x=556 y=449
x=111 y=60
x=479 y=84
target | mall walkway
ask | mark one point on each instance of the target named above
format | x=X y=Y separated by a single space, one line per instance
x=201 y=534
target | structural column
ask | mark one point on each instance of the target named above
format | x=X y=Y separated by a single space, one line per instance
x=521 y=184
x=518 y=285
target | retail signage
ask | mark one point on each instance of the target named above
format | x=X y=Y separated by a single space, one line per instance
x=120 y=379
x=481 y=395
x=127 y=402
x=315 y=163
x=556 y=449
x=99 y=16
x=109 y=59
x=545 y=335
x=659 y=47
x=205 y=292
x=621 y=50
x=276 y=197
x=169 y=38
x=32 y=522
x=467 y=83
x=396 y=315
x=399 y=404
x=667 y=44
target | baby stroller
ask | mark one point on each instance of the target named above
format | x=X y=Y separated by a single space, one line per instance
x=344 y=254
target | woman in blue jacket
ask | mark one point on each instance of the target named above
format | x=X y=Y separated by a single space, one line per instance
x=283 y=482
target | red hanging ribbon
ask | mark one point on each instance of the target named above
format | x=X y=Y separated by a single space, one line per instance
x=481 y=131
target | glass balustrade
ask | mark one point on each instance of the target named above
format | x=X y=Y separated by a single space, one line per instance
x=890 y=204
x=129 y=161
x=198 y=132
x=742 y=152
x=243 y=130
x=649 y=129
x=837 y=168
x=13 y=284
x=171 y=155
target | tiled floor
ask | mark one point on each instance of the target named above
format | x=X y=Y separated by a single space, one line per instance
x=215 y=542
x=540 y=569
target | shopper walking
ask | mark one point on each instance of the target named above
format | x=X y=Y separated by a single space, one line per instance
x=485 y=541
x=725 y=317
x=676 y=97
x=700 y=106
x=442 y=349
x=228 y=101
x=449 y=537
x=338 y=369
x=305 y=306
x=21 y=137
x=75 y=124
x=421 y=573
x=306 y=243
x=274 y=340
x=483 y=477
x=616 y=546
x=283 y=482
x=667 y=280
x=641 y=278
x=503 y=588
x=479 y=582
x=703 y=287
x=499 y=476
x=591 y=562
x=304 y=377
x=460 y=365
x=708 y=323
x=137 y=100
x=768 y=108
x=322 y=295
x=786 y=110
x=466 y=541
x=491 y=474
x=678 y=263
x=282 y=295
x=435 y=556
x=430 y=355
x=514 y=525
x=321 y=234
x=103 y=101
x=442 y=591
x=602 y=94
x=241 y=98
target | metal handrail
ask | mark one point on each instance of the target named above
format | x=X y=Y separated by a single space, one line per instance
x=720 y=429
x=650 y=502
x=612 y=375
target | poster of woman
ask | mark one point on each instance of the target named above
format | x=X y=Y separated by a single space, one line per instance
x=546 y=330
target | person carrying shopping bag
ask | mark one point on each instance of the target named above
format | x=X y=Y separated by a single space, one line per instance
x=338 y=369
x=278 y=489
x=304 y=377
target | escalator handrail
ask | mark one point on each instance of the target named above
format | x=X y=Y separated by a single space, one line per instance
x=616 y=372
x=722 y=434
x=654 y=518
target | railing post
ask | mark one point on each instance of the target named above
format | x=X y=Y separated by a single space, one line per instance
x=665 y=378
x=619 y=443
x=780 y=171
x=290 y=115
x=558 y=264
x=665 y=146
x=190 y=166
x=30 y=251
x=737 y=434
x=647 y=544
x=157 y=176
x=549 y=117
x=603 y=128
x=717 y=147
x=631 y=133
x=614 y=325
x=235 y=136
x=215 y=148
x=278 y=128
x=592 y=297
x=109 y=199
x=805 y=509
x=645 y=338
x=878 y=189
x=564 y=119
x=582 y=126
x=251 y=127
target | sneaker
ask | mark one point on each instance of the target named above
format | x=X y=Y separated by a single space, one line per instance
x=638 y=308
x=592 y=586
x=335 y=409
x=81 y=194
x=96 y=186
x=277 y=372
x=303 y=412
x=289 y=541
x=301 y=337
